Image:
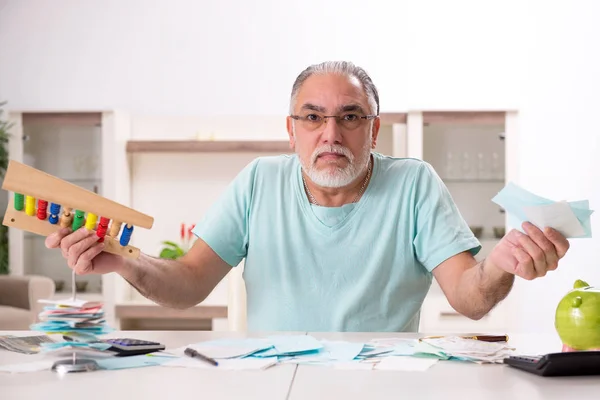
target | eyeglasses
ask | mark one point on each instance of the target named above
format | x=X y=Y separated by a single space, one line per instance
x=312 y=122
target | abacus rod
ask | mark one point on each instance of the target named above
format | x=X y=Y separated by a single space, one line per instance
x=21 y=178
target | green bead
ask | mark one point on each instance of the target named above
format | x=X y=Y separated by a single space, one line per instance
x=19 y=201
x=78 y=219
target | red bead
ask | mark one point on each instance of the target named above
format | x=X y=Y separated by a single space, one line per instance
x=102 y=228
x=42 y=209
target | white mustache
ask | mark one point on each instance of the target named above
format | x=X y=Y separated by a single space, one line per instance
x=336 y=149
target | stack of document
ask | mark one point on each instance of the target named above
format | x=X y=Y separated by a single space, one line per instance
x=72 y=315
x=24 y=344
x=572 y=218
x=377 y=349
x=458 y=348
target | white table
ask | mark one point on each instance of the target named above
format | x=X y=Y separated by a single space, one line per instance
x=445 y=380
x=155 y=382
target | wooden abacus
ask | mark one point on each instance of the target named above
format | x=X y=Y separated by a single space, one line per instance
x=63 y=204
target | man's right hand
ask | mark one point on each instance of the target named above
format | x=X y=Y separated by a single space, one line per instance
x=83 y=252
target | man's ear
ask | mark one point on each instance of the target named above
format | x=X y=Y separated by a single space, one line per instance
x=375 y=131
x=290 y=129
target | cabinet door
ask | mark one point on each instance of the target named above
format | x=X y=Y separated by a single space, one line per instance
x=468 y=151
x=15 y=236
x=391 y=140
x=67 y=146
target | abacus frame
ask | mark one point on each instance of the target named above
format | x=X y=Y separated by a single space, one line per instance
x=23 y=179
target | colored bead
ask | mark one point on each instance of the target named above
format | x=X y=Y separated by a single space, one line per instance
x=54 y=211
x=126 y=235
x=66 y=218
x=115 y=228
x=19 y=201
x=102 y=228
x=29 y=205
x=78 y=220
x=42 y=211
x=90 y=222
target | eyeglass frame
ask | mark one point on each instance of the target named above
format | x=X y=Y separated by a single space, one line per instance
x=337 y=117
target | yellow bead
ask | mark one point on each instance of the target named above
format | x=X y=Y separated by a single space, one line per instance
x=90 y=222
x=30 y=205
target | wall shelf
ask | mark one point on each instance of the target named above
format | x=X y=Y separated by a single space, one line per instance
x=207 y=146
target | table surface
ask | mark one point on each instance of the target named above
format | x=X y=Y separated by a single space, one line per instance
x=445 y=380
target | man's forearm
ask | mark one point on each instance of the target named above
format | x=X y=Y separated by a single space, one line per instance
x=481 y=288
x=169 y=283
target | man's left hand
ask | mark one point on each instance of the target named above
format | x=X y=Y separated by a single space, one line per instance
x=531 y=254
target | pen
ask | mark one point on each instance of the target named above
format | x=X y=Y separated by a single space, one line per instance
x=488 y=338
x=482 y=338
x=194 y=354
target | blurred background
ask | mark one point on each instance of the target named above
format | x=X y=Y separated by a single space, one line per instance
x=158 y=105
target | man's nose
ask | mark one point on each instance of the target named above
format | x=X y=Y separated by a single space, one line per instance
x=331 y=131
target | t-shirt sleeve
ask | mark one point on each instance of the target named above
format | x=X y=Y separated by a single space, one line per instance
x=441 y=231
x=224 y=227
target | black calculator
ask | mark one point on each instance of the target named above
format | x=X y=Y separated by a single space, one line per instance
x=131 y=347
x=573 y=363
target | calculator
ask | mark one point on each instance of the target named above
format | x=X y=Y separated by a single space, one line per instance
x=573 y=363
x=130 y=347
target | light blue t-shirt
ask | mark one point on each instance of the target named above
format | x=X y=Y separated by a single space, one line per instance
x=360 y=267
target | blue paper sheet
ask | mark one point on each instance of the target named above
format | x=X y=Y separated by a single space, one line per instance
x=286 y=345
x=514 y=199
x=131 y=362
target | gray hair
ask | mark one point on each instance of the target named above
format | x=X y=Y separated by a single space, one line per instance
x=343 y=68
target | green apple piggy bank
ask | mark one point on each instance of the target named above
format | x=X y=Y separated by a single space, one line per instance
x=577 y=319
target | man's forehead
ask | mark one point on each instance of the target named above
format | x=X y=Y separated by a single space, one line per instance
x=332 y=92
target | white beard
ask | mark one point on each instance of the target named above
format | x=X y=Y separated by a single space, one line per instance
x=333 y=176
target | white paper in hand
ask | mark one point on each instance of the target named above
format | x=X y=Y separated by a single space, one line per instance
x=558 y=215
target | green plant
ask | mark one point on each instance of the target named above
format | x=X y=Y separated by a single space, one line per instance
x=173 y=250
x=4 y=137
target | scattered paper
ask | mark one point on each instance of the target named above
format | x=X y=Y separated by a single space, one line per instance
x=558 y=215
x=227 y=348
x=470 y=349
x=138 y=361
x=386 y=347
x=294 y=344
x=522 y=205
x=331 y=351
x=383 y=354
x=24 y=344
x=405 y=363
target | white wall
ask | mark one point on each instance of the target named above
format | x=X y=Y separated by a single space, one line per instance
x=227 y=58
x=239 y=57
x=560 y=141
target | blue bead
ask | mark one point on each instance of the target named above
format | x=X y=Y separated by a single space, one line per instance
x=126 y=235
x=54 y=209
x=53 y=219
